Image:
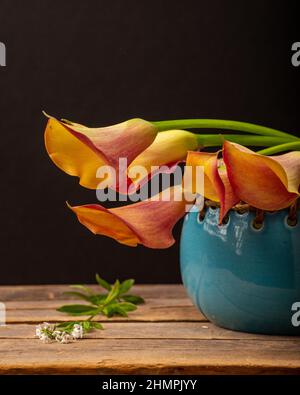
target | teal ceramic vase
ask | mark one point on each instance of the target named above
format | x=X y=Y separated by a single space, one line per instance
x=242 y=278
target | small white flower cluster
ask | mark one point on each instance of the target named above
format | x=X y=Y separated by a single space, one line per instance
x=48 y=333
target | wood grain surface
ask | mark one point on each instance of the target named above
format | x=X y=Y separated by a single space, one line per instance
x=167 y=335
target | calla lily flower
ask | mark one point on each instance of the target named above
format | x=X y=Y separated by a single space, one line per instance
x=216 y=183
x=149 y=222
x=80 y=151
x=265 y=182
x=168 y=149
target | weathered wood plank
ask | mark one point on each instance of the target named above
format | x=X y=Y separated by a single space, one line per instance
x=124 y=356
x=167 y=335
x=149 y=330
x=143 y=314
x=54 y=304
x=26 y=304
x=51 y=292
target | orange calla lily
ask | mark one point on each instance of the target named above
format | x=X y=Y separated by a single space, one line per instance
x=265 y=182
x=216 y=184
x=149 y=222
x=80 y=151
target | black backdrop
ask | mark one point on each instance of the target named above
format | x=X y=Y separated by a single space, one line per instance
x=100 y=62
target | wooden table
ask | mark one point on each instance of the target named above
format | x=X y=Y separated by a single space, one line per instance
x=165 y=336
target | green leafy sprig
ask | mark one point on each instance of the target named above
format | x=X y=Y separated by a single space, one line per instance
x=115 y=301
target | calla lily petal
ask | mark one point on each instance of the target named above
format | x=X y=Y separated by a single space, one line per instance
x=268 y=183
x=228 y=196
x=71 y=155
x=168 y=149
x=149 y=222
x=79 y=150
x=290 y=163
x=216 y=183
x=212 y=181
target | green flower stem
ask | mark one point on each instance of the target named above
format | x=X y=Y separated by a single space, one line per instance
x=221 y=124
x=214 y=140
x=295 y=146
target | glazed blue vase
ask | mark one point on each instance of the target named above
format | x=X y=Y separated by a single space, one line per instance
x=242 y=278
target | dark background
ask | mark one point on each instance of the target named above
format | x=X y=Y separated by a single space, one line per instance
x=101 y=62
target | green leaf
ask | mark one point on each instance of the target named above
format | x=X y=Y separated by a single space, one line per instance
x=66 y=324
x=133 y=299
x=125 y=286
x=113 y=294
x=89 y=325
x=78 y=295
x=127 y=306
x=114 y=309
x=97 y=299
x=104 y=284
x=83 y=288
x=86 y=325
x=118 y=309
x=79 y=309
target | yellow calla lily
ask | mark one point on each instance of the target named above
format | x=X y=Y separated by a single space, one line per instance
x=80 y=151
x=168 y=149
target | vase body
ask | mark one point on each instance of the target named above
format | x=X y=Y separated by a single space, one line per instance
x=241 y=278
